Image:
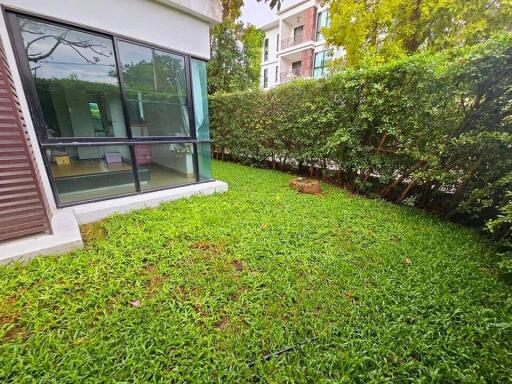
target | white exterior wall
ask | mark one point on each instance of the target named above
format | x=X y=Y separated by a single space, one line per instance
x=146 y=20
x=272 y=61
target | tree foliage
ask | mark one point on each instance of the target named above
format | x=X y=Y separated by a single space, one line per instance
x=375 y=31
x=231 y=9
x=236 y=54
x=432 y=130
x=252 y=41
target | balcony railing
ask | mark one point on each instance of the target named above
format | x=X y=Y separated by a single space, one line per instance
x=297 y=39
x=290 y=75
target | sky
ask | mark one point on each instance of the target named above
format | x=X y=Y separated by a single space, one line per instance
x=259 y=13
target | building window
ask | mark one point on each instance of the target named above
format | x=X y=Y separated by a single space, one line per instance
x=323 y=21
x=298 y=35
x=200 y=97
x=76 y=81
x=265 y=78
x=265 y=50
x=112 y=116
x=156 y=93
x=277 y=43
x=322 y=59
x=277 y=75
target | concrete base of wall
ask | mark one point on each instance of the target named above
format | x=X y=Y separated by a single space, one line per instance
x=65 y=237
x=66 y=233
x=88 y=213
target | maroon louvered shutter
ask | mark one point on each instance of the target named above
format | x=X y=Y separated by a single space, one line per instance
x=23 y=208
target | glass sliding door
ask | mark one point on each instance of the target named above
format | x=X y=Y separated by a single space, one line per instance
x=113 y=117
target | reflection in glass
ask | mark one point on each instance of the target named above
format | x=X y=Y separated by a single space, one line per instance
x=323 y=21
x=91 y=172
x=156 y=91
x=205 y=161
x=200 y=95
x=75 y=75
x=165 y=165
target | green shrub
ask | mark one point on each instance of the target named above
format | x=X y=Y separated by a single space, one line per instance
x=431 y=130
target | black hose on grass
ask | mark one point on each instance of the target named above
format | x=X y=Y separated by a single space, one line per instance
x=282 y=351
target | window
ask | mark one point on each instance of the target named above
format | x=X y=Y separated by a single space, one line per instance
x=297 y=68
x=322 y=60
x=298 y=35
x=154 y=83
x=73 y=72
x=200 y=96
x=277 y=75
x=161 y=165
x=323 y=21
x=265 y=78
x=112 y=116
x=265 y=50
x=91 y=172
x=205 y=160
x=277 y=43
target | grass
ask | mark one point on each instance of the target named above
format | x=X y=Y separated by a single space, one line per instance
x=359 y=290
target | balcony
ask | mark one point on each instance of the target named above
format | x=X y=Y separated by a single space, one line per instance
x=292 y=41
x=287 y=76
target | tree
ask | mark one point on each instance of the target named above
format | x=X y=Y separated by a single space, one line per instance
x=252 y=40
x=236 y=55
x=374 y=31
x=232 y=8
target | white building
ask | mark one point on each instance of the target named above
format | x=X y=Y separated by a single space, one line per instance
x=294 y=46
x=103 y=108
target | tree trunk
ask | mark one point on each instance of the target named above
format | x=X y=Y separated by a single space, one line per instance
x=390 y=187
x=411 y=185
x=412 y=43
x=458 y=196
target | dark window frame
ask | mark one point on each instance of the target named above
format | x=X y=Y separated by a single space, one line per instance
x=37 y=117
x=265 y=78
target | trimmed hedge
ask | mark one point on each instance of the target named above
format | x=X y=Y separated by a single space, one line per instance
x=434 y=131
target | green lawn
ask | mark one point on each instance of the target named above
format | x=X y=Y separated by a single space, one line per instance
x=365 y=291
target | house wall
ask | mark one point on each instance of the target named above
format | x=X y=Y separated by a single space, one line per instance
x=272 y=61
x=307 y=56
x=147 y=20
x=310 y=24
x=296 y=8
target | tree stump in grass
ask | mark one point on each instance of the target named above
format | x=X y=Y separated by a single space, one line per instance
x=304 y=185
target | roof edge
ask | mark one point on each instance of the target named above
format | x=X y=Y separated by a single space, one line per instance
x=206 y=10
x=291 y=6
x=272 y=24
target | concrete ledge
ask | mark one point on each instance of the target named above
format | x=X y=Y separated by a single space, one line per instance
x=66 y=232
x=88 y=213
x=65 y=237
